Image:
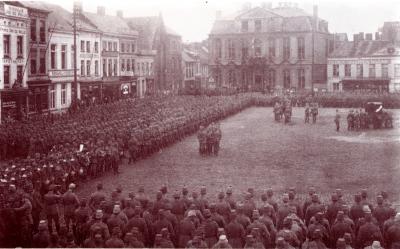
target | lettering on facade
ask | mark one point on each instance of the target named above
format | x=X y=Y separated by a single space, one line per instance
x=13 y=30
x=9 y=104
x=11 y=10
x=89 y=56
x=61 y=73
x=15 y=61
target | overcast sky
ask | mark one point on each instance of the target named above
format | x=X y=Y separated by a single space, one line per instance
x=193 y=19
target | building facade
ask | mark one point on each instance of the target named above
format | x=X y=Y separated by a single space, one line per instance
x=365 y=65
x=265 y=48
x=195 y=68
x=14 y=23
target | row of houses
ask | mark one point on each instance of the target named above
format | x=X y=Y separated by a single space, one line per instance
x=117 y=57
x=285 y=48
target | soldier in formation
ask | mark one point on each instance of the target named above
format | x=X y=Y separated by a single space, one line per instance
x=209 y=139
x=357 y=120
x=256 y=220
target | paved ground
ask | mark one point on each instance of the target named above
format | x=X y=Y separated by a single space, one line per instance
x=258 y=152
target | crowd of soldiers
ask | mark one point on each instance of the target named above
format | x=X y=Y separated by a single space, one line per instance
x=209 y=139
x=357 y=120
x=195 y=220
x=283 y=109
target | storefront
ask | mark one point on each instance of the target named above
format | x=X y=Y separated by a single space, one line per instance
x=91 y=92
x=371 y=85
x=13 y=103
x=38 y=96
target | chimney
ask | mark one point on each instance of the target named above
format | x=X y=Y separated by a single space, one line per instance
x=101 y=10
x=377 y=36
x=355 y=39
x=218 y=14
x=266 y=5
x=315 y=15
x=78 y=7
x=368 y=36
x=246 y=6
x=361 y=36
x=120 y=14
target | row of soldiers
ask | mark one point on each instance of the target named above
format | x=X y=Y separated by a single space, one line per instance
x=196 y=220
x=311 y=109
x=209 y=139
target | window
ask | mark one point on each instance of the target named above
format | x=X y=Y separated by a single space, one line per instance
x=143 y=69
x=372 y=70
x=82 y=68
x=335 y=86
x=385 y=71
x=6 y=76
x=20 y=45
x=218 y=48
x=360 y=71
x=42 y=31
x=115 y=46
x=19 y=74
x=33 y=58
x=271 y=47
x=122 y=63
x=245 y=26
x=300 y=48
x=231 y=50
x=326 y=47
x=104 y=46
x=257 y=25
x=96 y=67
x=63 y=94
x=335 y=70
x=52 y=94
x=122 y=48
x=87 y=46
x=397 y=70
x=109 y=67
x=151 y=67
x=42 y=61
x=104 y=68
x=286 y=79
x=301 y=78
x=110 y=46
x=133 y=65
x=33 y=30
x=128 y=65
x=286 y=48
x=127 y=48
x=115 y=67
x=63 y=56
x=6 y=45
x=96 y=47
x=147 y=67
x=138 y=68
x=133 y=47
x=82 y=46
x=53 y=56
x=347 y=70
x=245 y=49
x=257 y=47
x=271 y=77
x=88 y=68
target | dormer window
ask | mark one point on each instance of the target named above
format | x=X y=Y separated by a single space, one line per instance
x=245 y=26
x=257 y=25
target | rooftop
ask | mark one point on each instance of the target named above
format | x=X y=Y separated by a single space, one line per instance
x=365 y=49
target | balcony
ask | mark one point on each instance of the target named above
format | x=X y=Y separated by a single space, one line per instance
x=364 y=78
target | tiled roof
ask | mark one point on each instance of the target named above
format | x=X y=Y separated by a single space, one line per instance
x=279 y=19
x=110 y=24
x=364 y=49
x=147 y=28
x=59 y=18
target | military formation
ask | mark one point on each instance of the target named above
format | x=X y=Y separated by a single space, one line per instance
x=283 y=109
x=311 y=109
x=209 y=139
x=184 y=219
x=357 y=120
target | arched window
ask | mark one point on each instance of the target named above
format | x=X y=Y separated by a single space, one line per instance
x=257 y=47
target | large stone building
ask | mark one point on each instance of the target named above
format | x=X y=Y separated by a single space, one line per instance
x=265 y=48
x=14 y=23
x=158 y=40
x=195 y=67
x=365 y=64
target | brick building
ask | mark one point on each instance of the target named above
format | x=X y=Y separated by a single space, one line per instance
x=265 y=48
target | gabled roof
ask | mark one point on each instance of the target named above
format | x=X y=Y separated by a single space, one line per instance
x=34 y=5
x=110 y=24
x=257 y=12
x=59 y=18
x=365 y=49
x=147 y=28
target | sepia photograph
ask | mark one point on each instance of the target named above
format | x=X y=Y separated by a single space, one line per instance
x=260 y=124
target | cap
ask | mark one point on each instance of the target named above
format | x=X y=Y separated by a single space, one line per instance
x=223 y=238
x=99 y=214
x=191 y=213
